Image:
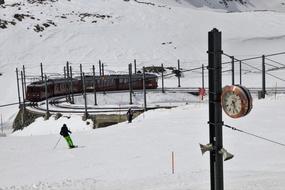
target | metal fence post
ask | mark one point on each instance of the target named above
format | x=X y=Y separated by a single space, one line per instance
x=94 y=86
x=23 y=90
x=64 y=76
x=85 y=98
x=263 y=77
x=135 y=66
x=71 y=85
x=100 y=71
x=24 y=75
x=67 y=81
x=203 y=76
x=178 y=62
x=215 y=109
x=130 y=83
x=46 y=95
x=162 y=78
x=240 y=73
x=42 y=72
x=18 y=87
x=144 y=90
x=233 y=70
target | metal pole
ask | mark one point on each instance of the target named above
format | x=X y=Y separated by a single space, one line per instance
x=71 y=86
x=203 y=76
x=130 y=83
x=233 y=70
x=18 y=86
x=144 y=90
x=24 y=74
x=66 y=81
x=135 y=66
x=94 y=86
x=42 y=72
x=2 y=125
x=100 y=69
x=162 y=78
x=215 y=109
x=81 y=77
x=23 y=90
x=240 y=73
x=178 y=62
x=64 y=76
x=85 y=98
x=263 y=77
x=46 y=95
x=80 y=67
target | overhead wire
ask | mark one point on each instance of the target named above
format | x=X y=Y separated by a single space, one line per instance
x=275 y=62
x=254 y=135
x=243 y=61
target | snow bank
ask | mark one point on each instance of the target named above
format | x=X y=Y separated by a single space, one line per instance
x=53 y=126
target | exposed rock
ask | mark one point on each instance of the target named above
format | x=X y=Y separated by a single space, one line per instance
x=38 y=28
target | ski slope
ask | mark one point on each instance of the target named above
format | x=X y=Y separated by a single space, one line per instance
x=138 y=155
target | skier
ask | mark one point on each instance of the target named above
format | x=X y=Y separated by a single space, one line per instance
x=65 y=133
x=130 y=115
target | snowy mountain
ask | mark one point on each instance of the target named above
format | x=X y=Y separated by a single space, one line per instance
x=239 y=5
x=138 y=155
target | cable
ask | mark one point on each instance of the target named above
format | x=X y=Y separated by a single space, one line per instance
x=266 y=72
x=272 y=65
x=11 y=104
x=275 y=62
x=257 y=136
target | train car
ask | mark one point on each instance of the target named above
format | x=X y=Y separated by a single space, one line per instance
x=63 y=86
x=36 y=91
x=57 y=87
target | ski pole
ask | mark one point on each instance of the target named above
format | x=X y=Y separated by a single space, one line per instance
x=57 y=143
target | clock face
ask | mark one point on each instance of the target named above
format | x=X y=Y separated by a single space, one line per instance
x=236 y=101
x=232 y=103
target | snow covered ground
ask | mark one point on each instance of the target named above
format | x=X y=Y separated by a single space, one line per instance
x=138 y=155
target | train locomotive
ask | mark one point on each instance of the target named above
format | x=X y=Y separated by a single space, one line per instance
x=36 y=91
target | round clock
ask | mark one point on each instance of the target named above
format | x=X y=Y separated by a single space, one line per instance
x=236 y=101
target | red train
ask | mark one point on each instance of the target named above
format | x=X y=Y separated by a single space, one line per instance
x=57 y=87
